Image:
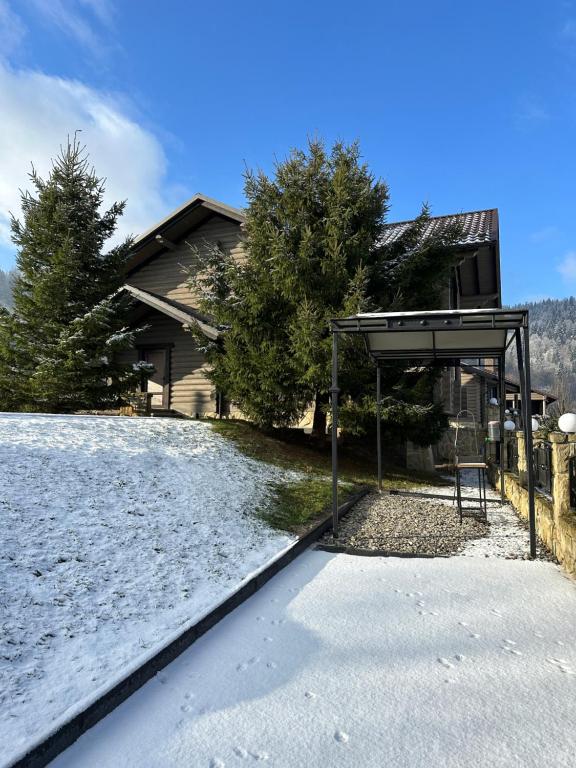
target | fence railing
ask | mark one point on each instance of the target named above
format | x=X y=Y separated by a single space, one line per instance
x=572 y=476
x=543 y=466
x=512 y=456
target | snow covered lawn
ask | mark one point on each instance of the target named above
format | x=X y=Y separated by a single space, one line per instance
x=114 y=534
x=366 y=662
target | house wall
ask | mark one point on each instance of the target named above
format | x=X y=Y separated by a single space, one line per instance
x=165 y=275
x=471 y=395
x=190 y=391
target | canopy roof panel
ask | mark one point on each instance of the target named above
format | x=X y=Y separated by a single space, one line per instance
x=445 y=334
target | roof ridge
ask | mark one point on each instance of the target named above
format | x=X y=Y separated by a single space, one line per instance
x=443 y=216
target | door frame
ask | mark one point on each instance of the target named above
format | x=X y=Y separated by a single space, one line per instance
x=142 y=349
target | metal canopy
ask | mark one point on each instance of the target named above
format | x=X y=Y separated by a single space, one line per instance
x=449 y=336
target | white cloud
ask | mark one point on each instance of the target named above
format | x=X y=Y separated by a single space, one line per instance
x=544 y=234
x=567 y=267
x=70 y=17
x=531 y=112
x=568 y=30
x=12 y=30
x=39 y=112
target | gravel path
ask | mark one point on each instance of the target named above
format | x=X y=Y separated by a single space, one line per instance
x=415 y=525
x=406 y=524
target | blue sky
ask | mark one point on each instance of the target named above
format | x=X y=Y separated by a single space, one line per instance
x=463 y=105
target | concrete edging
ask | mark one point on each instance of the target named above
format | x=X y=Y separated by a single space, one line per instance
x=344 y=550
x=50 y=747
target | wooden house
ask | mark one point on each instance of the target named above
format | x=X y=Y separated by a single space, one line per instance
x=156 y=279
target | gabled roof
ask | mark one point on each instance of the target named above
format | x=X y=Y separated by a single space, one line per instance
x=175 y=310
x=478 y=227
x=176 y=225
x=195 y=201
x=513 y=385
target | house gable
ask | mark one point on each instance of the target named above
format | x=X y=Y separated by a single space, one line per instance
x=164 y=273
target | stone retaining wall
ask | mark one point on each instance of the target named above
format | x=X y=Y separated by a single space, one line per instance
x=555 y=519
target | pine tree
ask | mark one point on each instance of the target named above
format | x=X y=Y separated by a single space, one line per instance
x=63 y=321
x=313 y=252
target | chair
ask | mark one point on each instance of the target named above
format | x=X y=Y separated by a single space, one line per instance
x=476 y=460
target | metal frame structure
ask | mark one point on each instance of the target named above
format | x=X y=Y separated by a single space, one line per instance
x=448 y=336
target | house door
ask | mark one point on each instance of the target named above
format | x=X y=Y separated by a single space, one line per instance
x=158 y=383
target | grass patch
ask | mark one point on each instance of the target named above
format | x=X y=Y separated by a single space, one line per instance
x=295 y=507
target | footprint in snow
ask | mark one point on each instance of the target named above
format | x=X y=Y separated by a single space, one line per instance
x=245 y=664
x=217 y=763
x=186 y=708
x=341 y=737
x=463 y=623
x=310 y=695
x=496 y=612
x=445 y=663
x=259 y=755
x=271 y=665
x=260 y=618
x=268 y=639
x=562 y=665
x=475 y=635
x=241 y=752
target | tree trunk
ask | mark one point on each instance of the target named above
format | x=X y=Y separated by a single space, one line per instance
x=319 y=420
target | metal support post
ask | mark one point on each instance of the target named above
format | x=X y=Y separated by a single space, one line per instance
x=525 y=395
x=334 y=392
x=379 y=425
x=502 y=398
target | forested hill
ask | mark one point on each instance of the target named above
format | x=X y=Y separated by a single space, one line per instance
x=553 y=344
x=6 y=279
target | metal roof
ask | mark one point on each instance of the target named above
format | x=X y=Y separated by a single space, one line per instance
x=478 y=227
x=445 y=334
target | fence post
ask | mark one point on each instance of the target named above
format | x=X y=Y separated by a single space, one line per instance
x=521 y=454
x=560 y=473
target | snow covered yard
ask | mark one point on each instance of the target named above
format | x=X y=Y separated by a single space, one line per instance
x=115 y=533
x=349 y=661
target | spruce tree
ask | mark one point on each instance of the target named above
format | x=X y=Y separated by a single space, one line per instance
x=56 y=348
x=313 y=252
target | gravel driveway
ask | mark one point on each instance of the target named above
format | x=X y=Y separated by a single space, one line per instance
x=405 y=524
x=426 y=526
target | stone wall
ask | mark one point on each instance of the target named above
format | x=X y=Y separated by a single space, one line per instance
x=555 y=519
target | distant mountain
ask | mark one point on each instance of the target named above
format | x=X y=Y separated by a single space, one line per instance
x=6 y=282
x=553 y=347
